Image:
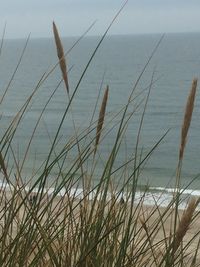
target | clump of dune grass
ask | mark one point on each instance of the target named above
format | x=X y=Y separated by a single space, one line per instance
x=104 y=225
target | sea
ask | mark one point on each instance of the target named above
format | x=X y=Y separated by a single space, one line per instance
x=119 y=63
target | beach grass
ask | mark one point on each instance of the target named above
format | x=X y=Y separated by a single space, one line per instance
x=77 y=220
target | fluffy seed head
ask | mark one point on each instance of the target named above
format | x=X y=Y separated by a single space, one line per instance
x=61 y=56
x=185 y=222
x=187 y=117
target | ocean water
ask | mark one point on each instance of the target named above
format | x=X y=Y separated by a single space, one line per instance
x=118 y=63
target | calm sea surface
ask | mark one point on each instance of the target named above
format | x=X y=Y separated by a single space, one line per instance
x=118 y=62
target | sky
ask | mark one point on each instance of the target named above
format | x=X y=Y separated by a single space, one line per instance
x=73 y=17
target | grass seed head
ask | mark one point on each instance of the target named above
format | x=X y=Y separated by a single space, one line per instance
x=61 y=56
x=185 y=222
x=187 y=117
x=101 y=116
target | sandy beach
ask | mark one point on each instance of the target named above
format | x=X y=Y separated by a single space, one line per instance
x=153 y=220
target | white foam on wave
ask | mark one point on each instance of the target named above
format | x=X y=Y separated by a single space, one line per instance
x=191 y=192
x=157 y=196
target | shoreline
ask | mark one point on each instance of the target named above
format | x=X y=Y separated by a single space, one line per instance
x=153 y=196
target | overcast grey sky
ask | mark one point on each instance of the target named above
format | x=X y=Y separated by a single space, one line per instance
x=73 y=17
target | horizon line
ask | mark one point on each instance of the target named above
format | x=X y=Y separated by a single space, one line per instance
x=108 y=35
